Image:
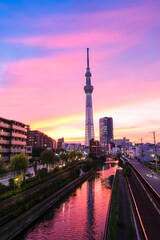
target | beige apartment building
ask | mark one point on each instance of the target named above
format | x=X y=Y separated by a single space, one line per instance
x=13 y=137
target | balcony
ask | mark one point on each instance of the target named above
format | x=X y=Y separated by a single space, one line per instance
x=2 y=133
x=4 y=150
x=14 y=142
x=19 y=128
x=5 y=125
x=4 y=141
x=19 y=135
x=17 y=150
x=4 y=158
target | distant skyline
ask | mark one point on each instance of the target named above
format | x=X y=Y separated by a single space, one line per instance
x=43 y=65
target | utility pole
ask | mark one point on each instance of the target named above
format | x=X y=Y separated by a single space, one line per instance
x=154 y=136
x=141 y=148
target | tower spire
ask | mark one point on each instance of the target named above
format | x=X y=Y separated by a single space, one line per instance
x=87 y=57
x=88 y=88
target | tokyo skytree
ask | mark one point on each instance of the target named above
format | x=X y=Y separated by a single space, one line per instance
x=88 y=88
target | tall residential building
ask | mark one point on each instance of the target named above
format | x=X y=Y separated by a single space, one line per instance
x=95 y=148
x=88 y=88
x=13 y=136
x=60 y=142
x=36 y=138
x=105 y=130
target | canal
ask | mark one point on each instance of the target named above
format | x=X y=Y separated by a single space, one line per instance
x=81 y=214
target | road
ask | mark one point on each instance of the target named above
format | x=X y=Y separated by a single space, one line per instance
x=154 y=181
x=148 y=211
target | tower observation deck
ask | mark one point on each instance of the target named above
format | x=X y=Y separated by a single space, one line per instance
x=88 y=88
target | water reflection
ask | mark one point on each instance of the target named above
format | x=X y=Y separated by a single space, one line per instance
x=81 y=215
x=90 y=224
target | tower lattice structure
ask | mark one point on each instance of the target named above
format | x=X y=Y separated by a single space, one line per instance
x=88 y=88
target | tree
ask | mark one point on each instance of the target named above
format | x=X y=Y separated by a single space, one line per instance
x=47 y=157
x=79 y=155
x=2 y=168
x=19 y=163
x=36 y=151
x=72 y=155
x=64 y=156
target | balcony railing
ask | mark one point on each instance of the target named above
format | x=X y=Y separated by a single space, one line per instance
x=2 y=133
x=4 y=141
x=19 y=135
x=14 y=142
x=4 y=150
x=5 y=125
x=19 y=128
x=4 y=158
x=17 y=150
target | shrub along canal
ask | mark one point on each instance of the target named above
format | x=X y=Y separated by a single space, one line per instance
x=81 y=214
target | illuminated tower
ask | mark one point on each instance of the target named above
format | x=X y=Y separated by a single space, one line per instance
x=89 y=127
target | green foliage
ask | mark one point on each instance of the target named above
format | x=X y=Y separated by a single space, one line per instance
x=79 y=155
x=151 y=166
x=31 y=182
x=64 y=156
x=23 y=204
x=2 y=188
x=72 y=155
x=47 y=157
x=87 y=165
x=42 y=172
x=2 y=168
x=114 y=211
x=19 y=163
x=36 y=151
x=11 y=183
x=118 y=154
x=126 y=170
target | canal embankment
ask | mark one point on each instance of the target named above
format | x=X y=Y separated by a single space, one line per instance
x=119 y=224
x=18 y=224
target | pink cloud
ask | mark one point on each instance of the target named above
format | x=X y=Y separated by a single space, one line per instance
x=95 y=28
x=69 y=40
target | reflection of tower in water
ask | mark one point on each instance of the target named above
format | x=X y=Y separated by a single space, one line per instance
x=90 y=212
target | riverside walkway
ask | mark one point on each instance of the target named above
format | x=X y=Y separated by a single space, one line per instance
x=154 y=180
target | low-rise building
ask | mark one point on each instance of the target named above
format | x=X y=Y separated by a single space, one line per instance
x=122 y=142
x=147 y=152
x=72 y=146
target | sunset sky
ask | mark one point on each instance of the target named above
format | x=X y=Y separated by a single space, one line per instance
x=43 y=64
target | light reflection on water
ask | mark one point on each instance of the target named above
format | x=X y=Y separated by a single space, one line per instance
x=81 y=215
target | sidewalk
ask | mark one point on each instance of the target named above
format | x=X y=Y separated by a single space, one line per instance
x=154 y=181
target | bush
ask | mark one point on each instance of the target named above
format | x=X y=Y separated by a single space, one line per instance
x=11 y=183
x=126 y=170
x=3 y=188
x=87 y=165
x=23 y=204
x=42 y=172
